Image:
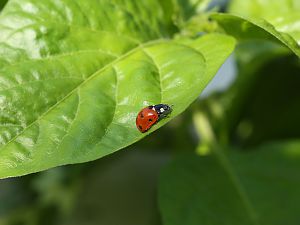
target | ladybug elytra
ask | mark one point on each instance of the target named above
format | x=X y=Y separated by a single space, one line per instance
x=150 y=115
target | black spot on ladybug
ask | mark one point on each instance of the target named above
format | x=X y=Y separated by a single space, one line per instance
x=140 y=127
x=142 y=115
x=150 y=120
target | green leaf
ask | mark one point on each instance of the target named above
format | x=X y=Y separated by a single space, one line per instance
x=2 y=4
x=283 y=14
x=253 y=29
x=260 y=186
x=73 y=78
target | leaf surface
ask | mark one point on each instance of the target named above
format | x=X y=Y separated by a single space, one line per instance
x=73 y=78
x=244 y=28
x=283 y=14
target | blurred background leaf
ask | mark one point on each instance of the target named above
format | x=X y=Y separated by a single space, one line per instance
x=184 y=12
x=273 y=89
x=2 y=4
x=266 y=90
x=260 y=186
x=114 y=190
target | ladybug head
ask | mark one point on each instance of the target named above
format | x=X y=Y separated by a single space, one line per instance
x=163 y=109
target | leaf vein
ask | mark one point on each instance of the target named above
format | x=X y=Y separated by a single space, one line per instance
x=159 y=73
x=72 y=122
x=85 y=81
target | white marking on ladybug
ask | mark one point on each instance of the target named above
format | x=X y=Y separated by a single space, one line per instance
x=162 y=110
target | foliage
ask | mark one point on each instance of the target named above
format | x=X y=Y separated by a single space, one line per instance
x=87 y=90
x=240 y=188
x=74 y=74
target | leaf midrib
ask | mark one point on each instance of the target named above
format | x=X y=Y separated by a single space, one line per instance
x=85 y=81
x=224 y=161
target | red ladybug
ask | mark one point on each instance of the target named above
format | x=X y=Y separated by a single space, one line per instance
x=150 y=115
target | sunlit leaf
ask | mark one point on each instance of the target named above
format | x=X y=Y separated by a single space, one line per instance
x=283 y=14
x=254 y=29
x=73 y=78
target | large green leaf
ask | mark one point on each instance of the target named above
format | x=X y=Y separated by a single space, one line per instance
x=73 y=78
x=260 y=186
x=254 y=29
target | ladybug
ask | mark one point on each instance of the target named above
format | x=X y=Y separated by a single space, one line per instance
x=150 y=115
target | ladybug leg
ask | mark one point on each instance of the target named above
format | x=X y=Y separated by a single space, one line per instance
x=161 y=116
